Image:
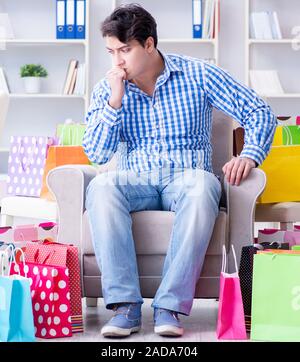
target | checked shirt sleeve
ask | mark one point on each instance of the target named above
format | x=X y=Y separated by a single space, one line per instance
x=245 y=106
x=102 y=134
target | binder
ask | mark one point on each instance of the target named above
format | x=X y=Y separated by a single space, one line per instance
x=70 y=19
x=80 y=19
x=197 y=19
x=60 y=19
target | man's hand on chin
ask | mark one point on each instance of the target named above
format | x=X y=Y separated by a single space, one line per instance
x=237 y=169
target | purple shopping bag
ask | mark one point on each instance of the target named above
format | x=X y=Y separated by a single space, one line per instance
x=231 y=318
x=26 y=163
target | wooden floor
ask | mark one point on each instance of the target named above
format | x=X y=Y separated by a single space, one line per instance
x=199 y=326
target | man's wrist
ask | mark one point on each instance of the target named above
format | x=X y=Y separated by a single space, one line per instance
x=116 y=104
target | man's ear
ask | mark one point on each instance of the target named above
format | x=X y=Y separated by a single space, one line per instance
x=149 y=44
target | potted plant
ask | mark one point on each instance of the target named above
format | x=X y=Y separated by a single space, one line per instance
x=32 y=74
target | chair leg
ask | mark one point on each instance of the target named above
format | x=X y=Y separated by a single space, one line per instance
x=7 y=220
x=91 y=302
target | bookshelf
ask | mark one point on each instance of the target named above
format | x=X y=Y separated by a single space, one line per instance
x=276 y=54
x=179 y=39
x=34 y=26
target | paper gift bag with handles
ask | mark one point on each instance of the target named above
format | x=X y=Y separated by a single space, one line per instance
x=59 y=156
x=50 y=293
x=231 y=319
x=64 y=255
x=16 y=316
x=246 y=272
x=26 y=163
x=70 y=134
x=276 y=296
x=283 y=175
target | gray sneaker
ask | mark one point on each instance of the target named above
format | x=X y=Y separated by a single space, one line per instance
x=126 y=320
x=167 y=323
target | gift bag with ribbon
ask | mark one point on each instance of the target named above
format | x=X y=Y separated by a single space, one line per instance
x=16 y=317
x=58 y=156
x=246 y=272
x=63 y=255
x=26 y=163
x=50 y=293
x=276 y=296
x=231 y=319
x=70 y=134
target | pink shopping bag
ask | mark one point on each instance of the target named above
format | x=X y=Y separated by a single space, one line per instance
x=231 y=318
x=50 y=293
x=64 y=255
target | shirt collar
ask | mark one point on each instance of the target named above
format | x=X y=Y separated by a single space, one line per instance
x=170 y=67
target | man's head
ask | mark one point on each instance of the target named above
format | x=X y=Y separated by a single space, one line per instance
x=131 y=39
x=130 y=22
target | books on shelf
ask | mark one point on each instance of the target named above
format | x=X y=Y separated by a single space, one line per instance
x=204 y=18
x=6 y=30
x=75 y=78
x=265 y=25
x=3 y=82
x=265 y=82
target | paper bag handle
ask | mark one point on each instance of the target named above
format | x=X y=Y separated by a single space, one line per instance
x=224 y=259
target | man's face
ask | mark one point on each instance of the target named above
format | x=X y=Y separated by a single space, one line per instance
x=132 y=56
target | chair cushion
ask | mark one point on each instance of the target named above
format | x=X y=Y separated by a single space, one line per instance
x=278 y=212
x=29 y=207
x=157 y=225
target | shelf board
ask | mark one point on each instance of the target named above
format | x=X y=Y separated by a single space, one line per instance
x=46 y=95
x=4 y=149
x=186 y=40
x=272 y=41
x=43 y=41
x=282 y=95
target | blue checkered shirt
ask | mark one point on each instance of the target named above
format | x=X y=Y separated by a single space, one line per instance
x=172 y=128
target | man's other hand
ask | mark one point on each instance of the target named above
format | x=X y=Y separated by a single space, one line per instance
x=237 y=169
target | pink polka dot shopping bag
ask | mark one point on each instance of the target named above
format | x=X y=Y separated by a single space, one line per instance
x=50 y=293
x=64 y=255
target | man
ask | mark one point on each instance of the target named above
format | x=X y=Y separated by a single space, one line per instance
x=156 y=109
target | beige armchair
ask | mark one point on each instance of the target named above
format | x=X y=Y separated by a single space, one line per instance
x=152 y=229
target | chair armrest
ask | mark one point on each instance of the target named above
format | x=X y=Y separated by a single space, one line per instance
x=68 y=184
x=241 y=208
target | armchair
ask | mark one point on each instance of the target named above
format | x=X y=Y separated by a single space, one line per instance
x=152 y=229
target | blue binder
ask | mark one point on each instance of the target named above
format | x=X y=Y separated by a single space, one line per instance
x=80 y=19
x=60 y=19
x=197 y=19
x=70 y=19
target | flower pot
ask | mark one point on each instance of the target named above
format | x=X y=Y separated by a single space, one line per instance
x=32 y=84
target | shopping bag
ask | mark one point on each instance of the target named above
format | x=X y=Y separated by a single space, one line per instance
x=58 y=156
x=70 y=134
x=66 y=256
x=276 y=297
x=231 y=319
x=246 y=273
x=19 y=235
x=283 y=175
x=50 y=295
x=291 y=135
x=275 y=235
x=26 y=163
x=16 y=317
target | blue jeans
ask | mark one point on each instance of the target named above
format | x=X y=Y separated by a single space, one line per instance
x=193 y=195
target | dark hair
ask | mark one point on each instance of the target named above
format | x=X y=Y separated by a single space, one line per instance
x=130 y=22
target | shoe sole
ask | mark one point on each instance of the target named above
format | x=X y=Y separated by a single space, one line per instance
x=111 y=331
x=169 y=331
